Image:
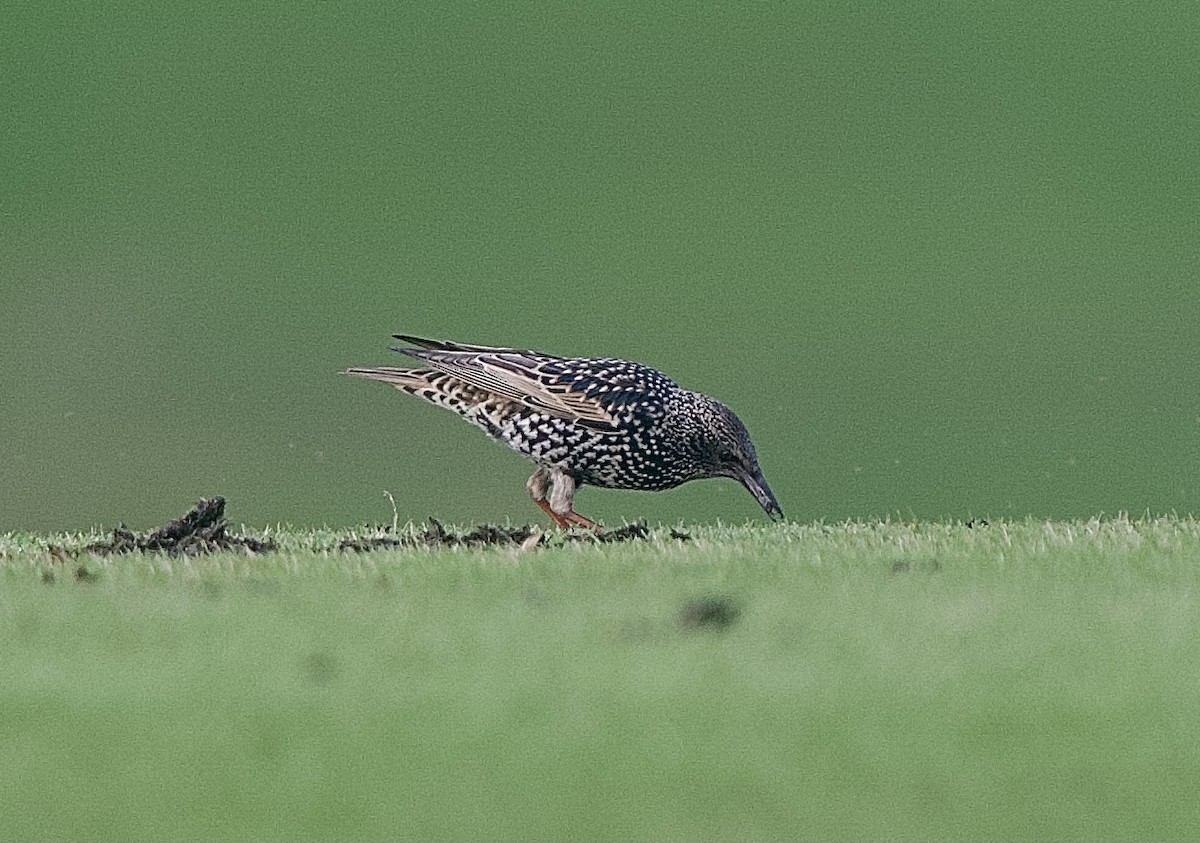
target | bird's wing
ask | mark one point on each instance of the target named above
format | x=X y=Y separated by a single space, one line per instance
x=520 y=376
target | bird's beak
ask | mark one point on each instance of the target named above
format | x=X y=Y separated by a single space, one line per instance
x=756 y=485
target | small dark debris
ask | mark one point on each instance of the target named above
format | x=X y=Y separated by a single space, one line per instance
x=680 y=535
x=83 y=575
x=366 y=543
x=48 y=577
x=436 y=535
x=629 y=532
x=709 y=613
x=123 y=541
x=903 y=566
x=202 y=529
x=378 y=540
x=977 y=522
x=491 y=534
x=485 y=535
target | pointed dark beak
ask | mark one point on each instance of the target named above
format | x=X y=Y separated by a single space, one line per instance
x=756 y=485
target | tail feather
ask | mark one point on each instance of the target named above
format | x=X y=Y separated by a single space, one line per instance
x=406 y=379
x=434 y=386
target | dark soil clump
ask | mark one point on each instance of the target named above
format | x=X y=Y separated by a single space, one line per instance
x=484 y=535
x=436 y=536
x=363 y=544
x=202 y=529
x=709 y=613
x=629 y=532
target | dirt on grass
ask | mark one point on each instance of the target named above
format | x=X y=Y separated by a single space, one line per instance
x=202 y=529
x=436 y=535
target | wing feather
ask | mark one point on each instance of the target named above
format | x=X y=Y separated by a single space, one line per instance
x=593 y=392
x=517 y=376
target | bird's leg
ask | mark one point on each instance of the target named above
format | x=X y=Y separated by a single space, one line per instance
x=582 y=521
x=554 y=493
x=539 y=489
x=562 y=497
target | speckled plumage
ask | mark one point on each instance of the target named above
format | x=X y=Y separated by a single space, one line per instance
x=583 y=420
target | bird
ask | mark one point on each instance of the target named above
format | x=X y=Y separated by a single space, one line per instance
x=596 y=421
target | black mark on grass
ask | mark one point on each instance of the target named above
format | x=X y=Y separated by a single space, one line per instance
x=713 y=613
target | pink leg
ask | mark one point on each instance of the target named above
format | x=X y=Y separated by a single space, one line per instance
x=559 y=487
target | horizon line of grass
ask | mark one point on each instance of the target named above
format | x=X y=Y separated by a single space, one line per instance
x=999 y=544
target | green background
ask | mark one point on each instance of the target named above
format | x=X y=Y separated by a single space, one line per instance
x=941 y=258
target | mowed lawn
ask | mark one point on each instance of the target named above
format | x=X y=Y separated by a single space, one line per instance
x=1026 y=680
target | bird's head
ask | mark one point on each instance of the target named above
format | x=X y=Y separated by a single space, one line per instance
x=724 y=449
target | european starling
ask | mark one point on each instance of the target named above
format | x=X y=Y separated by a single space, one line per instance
x=583 y=420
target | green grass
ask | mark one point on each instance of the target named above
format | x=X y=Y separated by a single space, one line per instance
x=1025 y=680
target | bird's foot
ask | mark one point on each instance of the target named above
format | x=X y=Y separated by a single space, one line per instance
x=568 y=519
